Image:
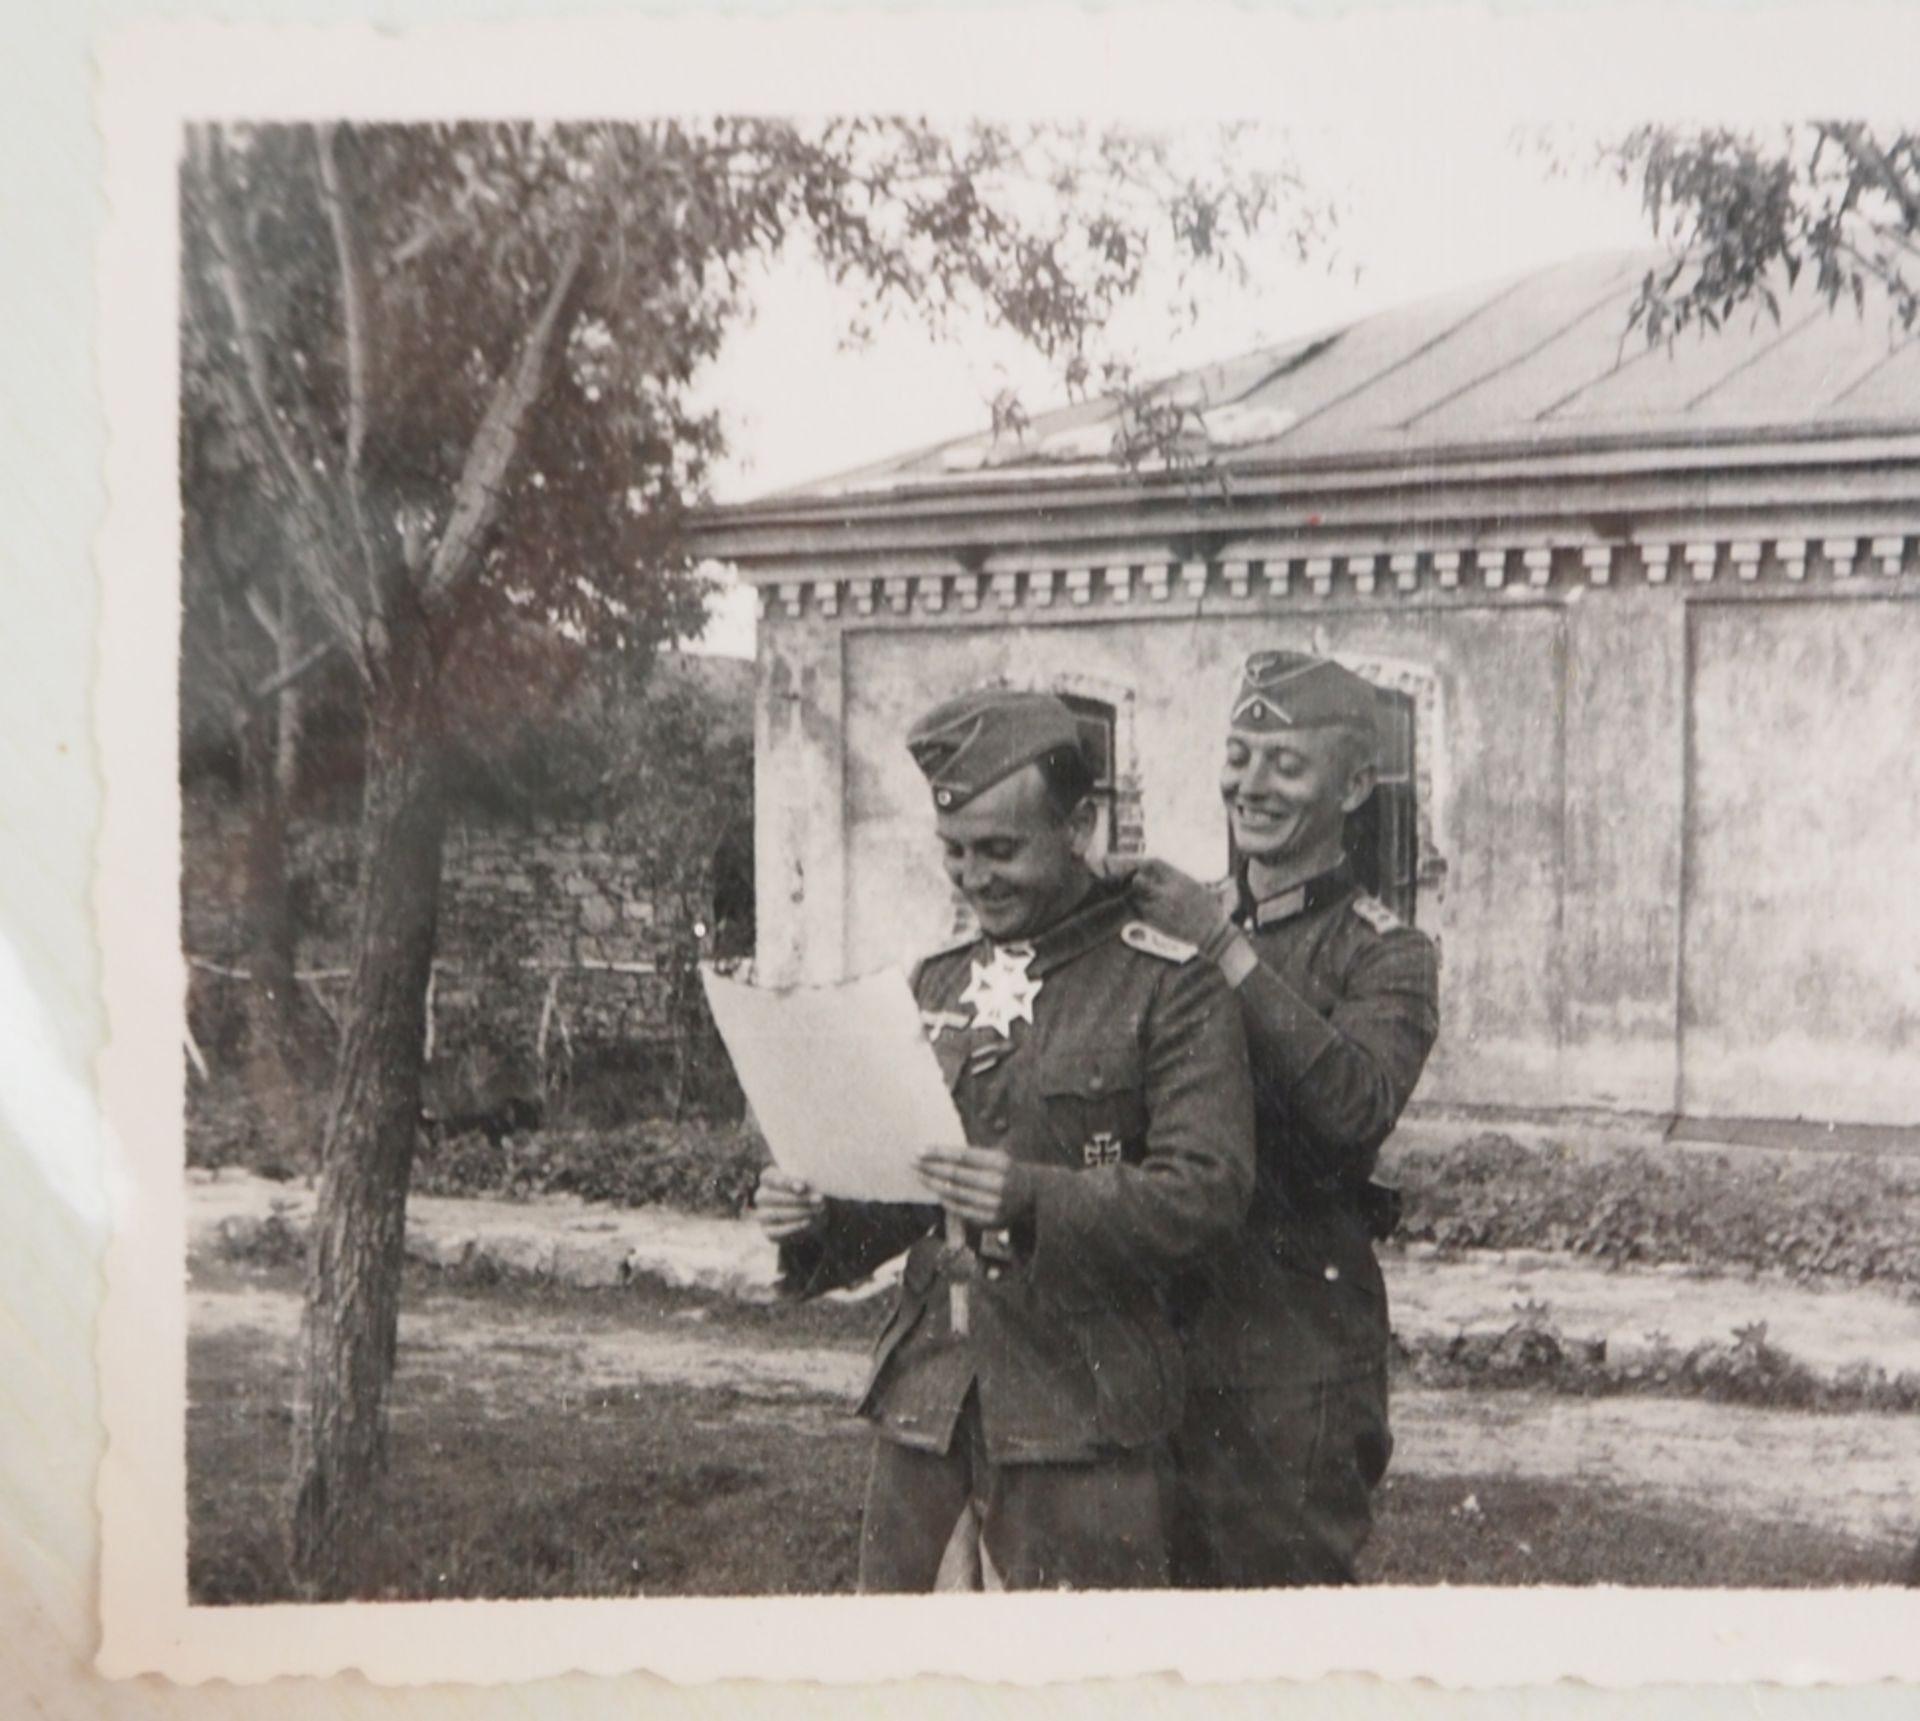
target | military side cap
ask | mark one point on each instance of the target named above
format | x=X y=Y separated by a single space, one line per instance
x=971 y=743
x=1290 y=690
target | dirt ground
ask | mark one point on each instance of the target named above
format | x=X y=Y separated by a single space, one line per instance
x=552 y=1440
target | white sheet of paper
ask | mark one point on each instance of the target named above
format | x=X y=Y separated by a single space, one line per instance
x=841 y=1080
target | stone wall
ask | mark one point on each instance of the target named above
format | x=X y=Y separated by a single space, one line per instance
x=555 y=962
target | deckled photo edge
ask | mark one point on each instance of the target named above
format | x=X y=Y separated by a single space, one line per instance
x=1454 y=1637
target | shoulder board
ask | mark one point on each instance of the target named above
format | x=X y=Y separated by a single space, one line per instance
x=1150 y=941
x=1376 y=913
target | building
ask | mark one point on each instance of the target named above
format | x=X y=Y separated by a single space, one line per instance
x=1644 y=622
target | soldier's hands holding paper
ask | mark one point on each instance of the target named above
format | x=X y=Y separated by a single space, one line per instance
x=978 y=1184
x=981 y=1185
x=787 y=1207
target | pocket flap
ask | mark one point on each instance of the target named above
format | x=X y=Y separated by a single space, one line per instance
x=1092 y=1070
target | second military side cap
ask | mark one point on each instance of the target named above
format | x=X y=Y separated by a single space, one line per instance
x=1290 y=690
x=970 y=743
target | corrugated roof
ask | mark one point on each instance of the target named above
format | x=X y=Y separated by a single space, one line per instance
x=1543 y=362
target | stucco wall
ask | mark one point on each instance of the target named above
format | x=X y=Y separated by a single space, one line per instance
x=1593 y=870
x=1802 y=947
x=1495 y=805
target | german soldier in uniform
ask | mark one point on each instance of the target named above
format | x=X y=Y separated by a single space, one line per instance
x=1029 y=1374
x=1285 y=1435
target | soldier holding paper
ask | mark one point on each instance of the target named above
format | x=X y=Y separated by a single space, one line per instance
x=1028 y=1376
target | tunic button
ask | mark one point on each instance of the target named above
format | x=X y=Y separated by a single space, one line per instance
x=1333 y=1272
x=1096 y=1081
x=998 y=1123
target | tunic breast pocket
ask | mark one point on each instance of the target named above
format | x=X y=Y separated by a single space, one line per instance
x=1096 y=1103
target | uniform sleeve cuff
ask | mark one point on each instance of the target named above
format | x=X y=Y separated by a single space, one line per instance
x=1237 y=960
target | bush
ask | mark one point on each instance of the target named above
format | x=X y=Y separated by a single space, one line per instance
x=696 y=1167
x=1532 y=1352
x=272 y=1242
x=1854 y=1218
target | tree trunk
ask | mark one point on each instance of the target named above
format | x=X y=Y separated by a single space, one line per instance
x=275 y=1065
x=353 y=1265
x=279 y=1067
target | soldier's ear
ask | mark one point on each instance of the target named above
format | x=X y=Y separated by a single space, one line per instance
x=1361 y=775
x=1358 y=786
x=1082 y=823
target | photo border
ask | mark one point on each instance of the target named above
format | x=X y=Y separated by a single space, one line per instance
x=1151 y=65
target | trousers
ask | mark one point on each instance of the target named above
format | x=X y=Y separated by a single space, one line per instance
x=1097 y=1525
x=1273 y=1487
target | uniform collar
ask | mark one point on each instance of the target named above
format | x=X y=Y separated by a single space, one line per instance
x=1294 y=901
x=1099 y=914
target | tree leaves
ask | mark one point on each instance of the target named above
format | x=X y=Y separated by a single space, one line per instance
x=1740 y=208
x=396 y=276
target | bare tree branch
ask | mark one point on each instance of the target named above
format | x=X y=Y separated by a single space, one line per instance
x=262 y=612
x=310 y=659
x=350 y=256
x=497 y=442
x=309 y=514
x=290 y=665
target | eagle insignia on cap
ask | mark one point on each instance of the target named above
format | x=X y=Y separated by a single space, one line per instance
x=970 y=743
x=1319 y=692
x=1260 y=710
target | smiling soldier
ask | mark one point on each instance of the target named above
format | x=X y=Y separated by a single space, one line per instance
x=1026 y=1381
x=1286 y=1435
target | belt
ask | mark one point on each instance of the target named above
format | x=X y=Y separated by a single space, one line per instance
x=1377 y=1206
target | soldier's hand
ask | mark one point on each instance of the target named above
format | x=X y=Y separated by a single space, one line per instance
x=1168 y=900
x=786 y=1208
x=981 y=1185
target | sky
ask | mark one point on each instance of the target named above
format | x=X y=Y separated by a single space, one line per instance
x=1420 y=214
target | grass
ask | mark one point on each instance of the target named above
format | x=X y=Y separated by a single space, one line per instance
x=617 y=1492
x=512 y=1487
x=666 y=1490
x=1502 y=1530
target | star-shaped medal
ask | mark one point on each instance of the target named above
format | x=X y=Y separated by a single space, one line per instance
x=1001 y=990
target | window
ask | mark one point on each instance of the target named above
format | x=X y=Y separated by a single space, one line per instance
x=1095 y=719
x=1383 y=834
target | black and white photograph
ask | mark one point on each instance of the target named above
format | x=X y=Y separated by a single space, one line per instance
x=906 y=846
